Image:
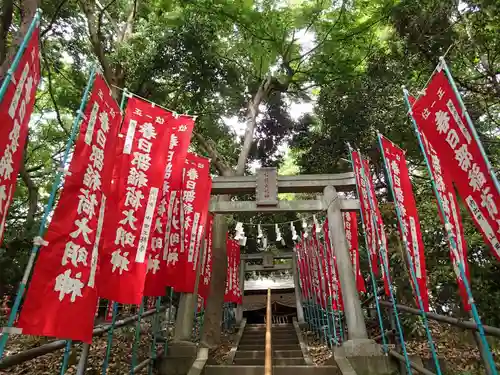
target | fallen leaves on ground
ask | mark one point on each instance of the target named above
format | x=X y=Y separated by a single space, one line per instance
x=456 y=348
x=119 y=362
x=318 y=350
x=220 y=354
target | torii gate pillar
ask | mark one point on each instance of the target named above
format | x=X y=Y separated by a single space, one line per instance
x=298 y=294
x=352 y=305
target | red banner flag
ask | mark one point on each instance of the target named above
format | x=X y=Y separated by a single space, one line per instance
x=171 y=250
x=183 y=255
x=451 y=209
x=109 y=312
x=409 y=224
x=206 y=265
x=371 y=217
x=181 y=128
x=132 y=212
x=336 y=290
x=439 y=116
x=383 y=256
x=364 y=190
x=63 y=285
x=446 y=193
x=351 y=235
x=321 y=269
x=15 y=110
x=233 y=290
x=301 y=268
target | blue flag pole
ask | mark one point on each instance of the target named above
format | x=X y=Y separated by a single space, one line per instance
x=48 y=209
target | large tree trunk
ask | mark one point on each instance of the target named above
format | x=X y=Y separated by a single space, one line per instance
x=213 y=314
x=28 y=9
x=252 y=113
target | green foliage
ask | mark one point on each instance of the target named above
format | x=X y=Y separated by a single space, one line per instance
x=211 y=58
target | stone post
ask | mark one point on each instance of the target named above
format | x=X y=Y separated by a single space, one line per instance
x=298 y=295
x=188 y=303
x=352 y=306
x=239 y=308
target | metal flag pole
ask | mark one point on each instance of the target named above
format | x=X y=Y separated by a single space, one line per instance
x=469 y=122
x=114 y=313
x=137 y=337
x=372 y=276
x=19 y=54
x=453 y=244
x=48 y=209
x=67 y=352
x=385 y=264
x=410 y=262
x=156 y=324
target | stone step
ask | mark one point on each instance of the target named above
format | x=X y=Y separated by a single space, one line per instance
x=245 y=341
x=262 y=347
x=277 y=370
x=276 y=361
x=274 y=328
x=281 y=336
x=262 y=353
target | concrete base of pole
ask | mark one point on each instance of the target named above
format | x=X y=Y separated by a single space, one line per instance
x=179 y=359
x=239 y=314
x=185 y=317
x=366 y=357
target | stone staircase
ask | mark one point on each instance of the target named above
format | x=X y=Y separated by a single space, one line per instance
x=287 y=355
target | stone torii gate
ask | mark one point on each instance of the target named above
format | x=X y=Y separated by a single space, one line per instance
x=267 y=184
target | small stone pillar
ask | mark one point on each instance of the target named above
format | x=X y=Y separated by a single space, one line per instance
x=298 y=294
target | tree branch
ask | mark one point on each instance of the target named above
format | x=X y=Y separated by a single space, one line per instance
x=128 y=28
x=96 y=42
x=51 y=93
x=325 y=37
x=54 y=18
x=215 y=157
x=99 y=22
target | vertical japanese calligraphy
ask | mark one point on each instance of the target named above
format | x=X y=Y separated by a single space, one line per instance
x=132 y=210
x=409 y=224
x=15 y=110
x=439 y=116
x=206 y=264
x=181 y=128
x=184 y=243
x=374 y=227
x=364 y=190
x=449 y=202
x=63 y=285
x=336 y=290
x=233 y=290
x=351 y=235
